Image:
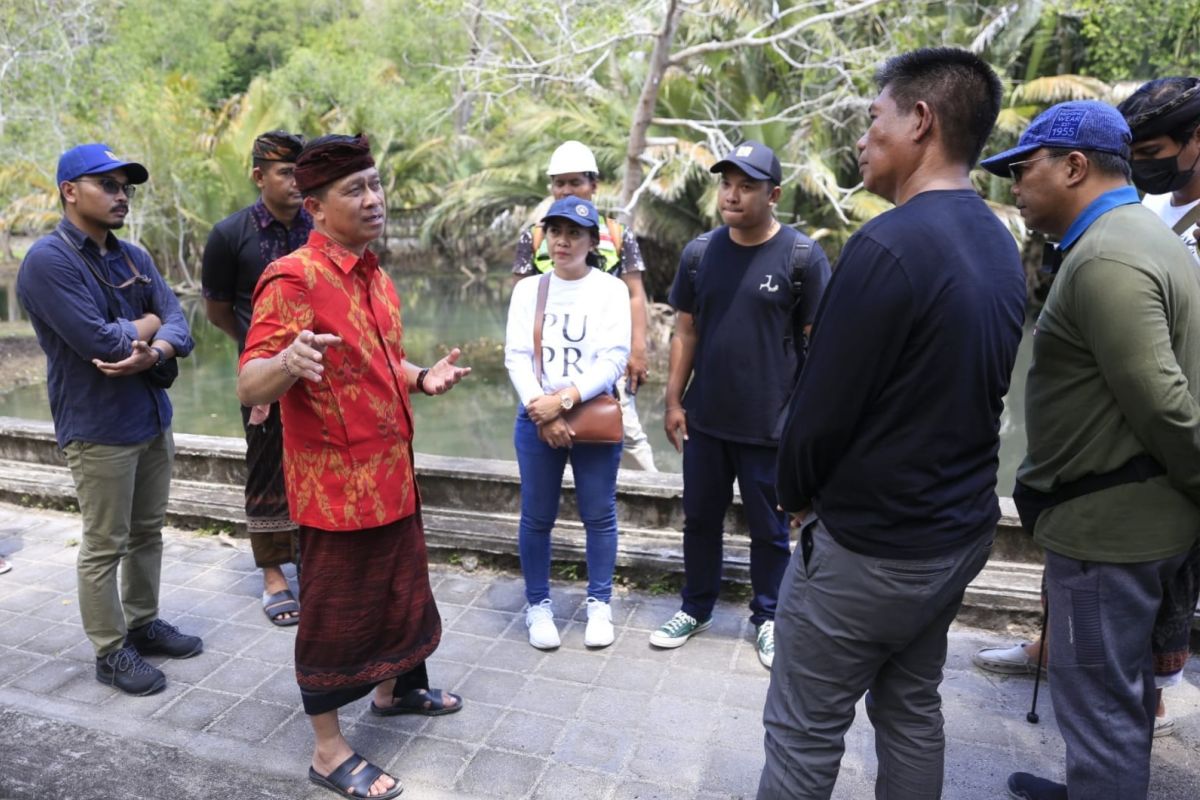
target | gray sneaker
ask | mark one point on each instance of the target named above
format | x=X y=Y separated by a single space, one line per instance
x=126 y=670
x=678 y=629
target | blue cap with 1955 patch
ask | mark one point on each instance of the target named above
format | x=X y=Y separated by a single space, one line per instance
x=577 y=210
x=90 y=159
x=1075 y=125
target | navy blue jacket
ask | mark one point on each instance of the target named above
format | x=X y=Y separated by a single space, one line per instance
x=70 y=313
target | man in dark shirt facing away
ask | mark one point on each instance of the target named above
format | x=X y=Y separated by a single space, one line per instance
x=239 y=248
x=108 y=322
x=889 y=453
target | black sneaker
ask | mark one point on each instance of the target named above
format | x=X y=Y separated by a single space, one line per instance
x=161 y=638
x=125 y=670
x=1023 y=786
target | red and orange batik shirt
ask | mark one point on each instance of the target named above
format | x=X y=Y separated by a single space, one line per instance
x=347 y=440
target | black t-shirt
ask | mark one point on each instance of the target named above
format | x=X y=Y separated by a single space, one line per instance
x=745 y=362
x=893 y=433
x=239 y=248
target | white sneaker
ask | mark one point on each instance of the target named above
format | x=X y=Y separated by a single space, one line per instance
x=543 y=634
x=1006 y=660
x=599 y=631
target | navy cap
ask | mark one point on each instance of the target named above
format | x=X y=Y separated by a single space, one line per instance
x=579 y=211
x=1076 y=124
x=89 y=159
x=755 y=159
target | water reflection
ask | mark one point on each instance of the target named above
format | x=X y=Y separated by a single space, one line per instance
x=476 y=418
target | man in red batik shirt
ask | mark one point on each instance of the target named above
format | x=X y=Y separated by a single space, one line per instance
x=325 y=340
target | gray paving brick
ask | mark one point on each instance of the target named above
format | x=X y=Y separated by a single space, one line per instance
x=197 y=708
x=178 y=573
x=60 y=607
x=199 y=553
x=48 y=678
x=572 y=666
x=84 y=688
x=501 y=775
x=749 y=692
x=280 y=688
x=684 y=681
x=435 y=762
x=124 y=705
x=693 y=720
x=457 y=589
x=660 y=757
x=731 y=771
x=224 y=606
x=484 y=622
x=278 y=646
x=238 y=675
x=506 y=594
x=564 y=781
x=527 y=733
x=447 y=674
x=653 y=612
x=634 y=675
x=594 y=746
x=472 y=724
x=233 y=638
x=18 y=630
x=517 y=656
x=492 y=686
x=26 y=598
x=55 y=638
x=13 y=663
x=462 y=647
x=616 y=707
x=641 y=790
x=192 y=625
x=553 y=698
x=250 y=721
x=189 y=670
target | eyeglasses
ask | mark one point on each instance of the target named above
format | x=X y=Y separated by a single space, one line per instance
x=113 y=187
x=1017 y=168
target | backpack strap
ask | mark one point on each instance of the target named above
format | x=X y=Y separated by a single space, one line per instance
x=802 y=256
x=693 y=254
x=1186 y=221
x=616 y=232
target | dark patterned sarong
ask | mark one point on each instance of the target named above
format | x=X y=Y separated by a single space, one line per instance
x=369 y=613
x=1173 y=626
x=272 y=532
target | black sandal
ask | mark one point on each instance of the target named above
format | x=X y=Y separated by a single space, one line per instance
x=275 y=606
x=356 y=785
x=427 y=702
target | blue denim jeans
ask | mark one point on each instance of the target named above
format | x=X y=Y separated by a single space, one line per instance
x=595 y=469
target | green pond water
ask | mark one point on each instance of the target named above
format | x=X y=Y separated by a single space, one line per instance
x=476 y=418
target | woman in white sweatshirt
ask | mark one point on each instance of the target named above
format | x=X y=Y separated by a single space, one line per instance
x=585 y=344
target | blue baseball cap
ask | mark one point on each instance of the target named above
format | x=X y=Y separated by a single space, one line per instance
x=755 y=159
x=1077 y=125
x=577 y=210
x=89 y=159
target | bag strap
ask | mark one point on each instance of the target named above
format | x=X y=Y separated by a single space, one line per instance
x=1186 y=221
x=539 y=316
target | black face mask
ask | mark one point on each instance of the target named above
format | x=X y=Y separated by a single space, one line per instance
x=1162 y=175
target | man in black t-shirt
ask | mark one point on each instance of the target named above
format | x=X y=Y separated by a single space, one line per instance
x=743 y=306
x=238 y=250
x=889 y=453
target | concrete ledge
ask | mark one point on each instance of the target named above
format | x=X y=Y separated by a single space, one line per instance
x=474 y=504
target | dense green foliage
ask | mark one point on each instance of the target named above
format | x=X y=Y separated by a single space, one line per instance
x=465 y=100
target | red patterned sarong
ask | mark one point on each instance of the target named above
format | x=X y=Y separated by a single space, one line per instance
x=369 y=613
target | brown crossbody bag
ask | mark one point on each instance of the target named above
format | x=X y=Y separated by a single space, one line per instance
x=595 y=421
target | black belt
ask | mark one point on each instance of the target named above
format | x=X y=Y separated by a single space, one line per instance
x=1031 y=503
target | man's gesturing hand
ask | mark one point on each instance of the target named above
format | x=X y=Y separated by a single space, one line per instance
x=303 y=357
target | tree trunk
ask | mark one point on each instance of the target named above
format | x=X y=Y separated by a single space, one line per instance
x=644 y=111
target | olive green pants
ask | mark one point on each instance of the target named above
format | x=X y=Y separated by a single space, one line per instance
x=122 y=492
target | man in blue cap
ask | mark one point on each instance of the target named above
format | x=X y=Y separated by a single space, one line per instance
x=745 y=295
x=1111 y=483
x=111 y=329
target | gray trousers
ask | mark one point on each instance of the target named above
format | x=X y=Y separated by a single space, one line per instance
x=122 y=492
x=1101 y=618
x=848 y=624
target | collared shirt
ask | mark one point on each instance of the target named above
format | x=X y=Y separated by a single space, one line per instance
x=347 y=440
x=70 y=312
x=239 y=248
x=1106 y=202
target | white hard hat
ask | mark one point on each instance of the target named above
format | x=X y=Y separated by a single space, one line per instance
x=572 y=156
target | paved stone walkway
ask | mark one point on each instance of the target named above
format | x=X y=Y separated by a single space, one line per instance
x=621 y=723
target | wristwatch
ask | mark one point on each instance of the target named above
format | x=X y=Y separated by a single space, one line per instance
x=161 y=355
x=566 y=401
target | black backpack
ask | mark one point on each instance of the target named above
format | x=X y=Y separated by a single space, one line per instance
x=802 y=254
